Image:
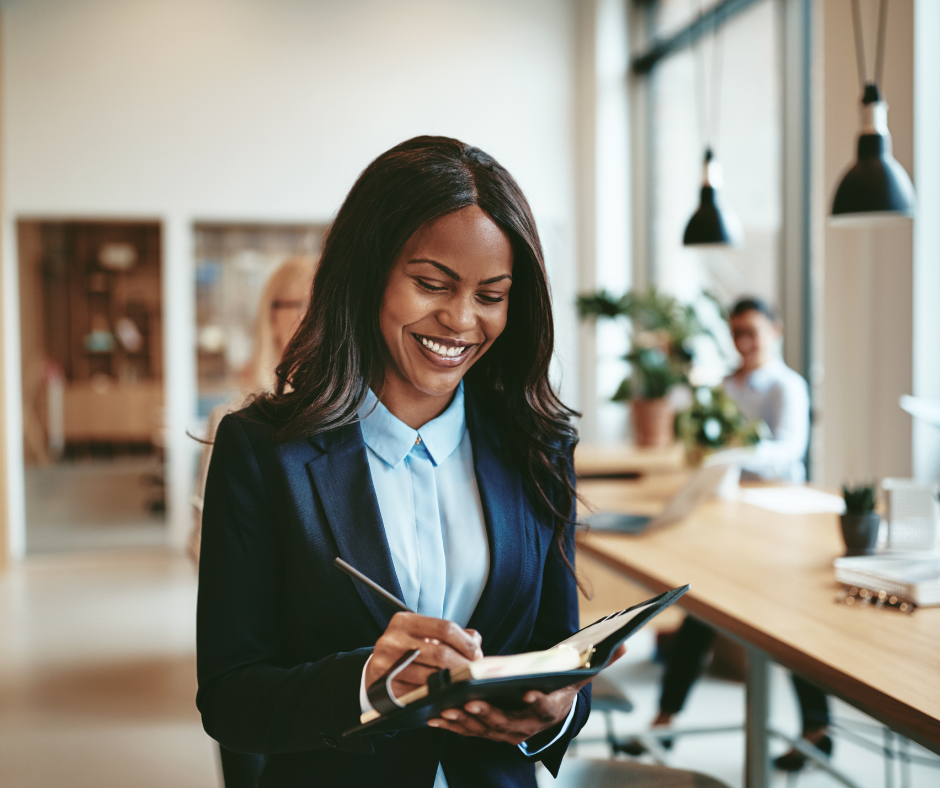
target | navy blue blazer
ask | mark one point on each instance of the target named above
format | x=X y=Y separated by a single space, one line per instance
x=283 y=636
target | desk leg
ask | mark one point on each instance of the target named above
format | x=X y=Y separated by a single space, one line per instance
x=757 y=758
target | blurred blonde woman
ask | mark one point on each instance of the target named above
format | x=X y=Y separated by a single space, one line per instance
x=283 y=303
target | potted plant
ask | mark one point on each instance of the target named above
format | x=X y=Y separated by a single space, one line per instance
x=713 y=422
x=861 y=522
x=661 y=355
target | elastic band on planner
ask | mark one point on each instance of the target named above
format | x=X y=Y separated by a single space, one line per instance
x=380 y=693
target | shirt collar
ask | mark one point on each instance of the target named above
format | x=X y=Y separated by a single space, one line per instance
x=391 y=439
x=764 y=376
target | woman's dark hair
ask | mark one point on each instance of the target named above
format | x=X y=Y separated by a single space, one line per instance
x=338 y=350
x=755 y=304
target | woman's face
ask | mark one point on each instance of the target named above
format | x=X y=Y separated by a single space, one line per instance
x=287 y=310
x=446 y=302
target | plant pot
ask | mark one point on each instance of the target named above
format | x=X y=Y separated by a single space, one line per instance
x=653 y=421
x=860 y=532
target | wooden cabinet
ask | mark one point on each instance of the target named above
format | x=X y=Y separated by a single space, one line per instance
x=91 y=316
x=100 y=277
x=113 y=413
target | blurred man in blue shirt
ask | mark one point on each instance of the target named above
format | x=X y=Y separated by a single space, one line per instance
x=765 y=389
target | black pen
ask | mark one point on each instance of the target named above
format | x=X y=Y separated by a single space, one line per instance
x=355 y=574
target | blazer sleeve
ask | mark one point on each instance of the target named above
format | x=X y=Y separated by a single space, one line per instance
x=251 y=699
x=556 y=620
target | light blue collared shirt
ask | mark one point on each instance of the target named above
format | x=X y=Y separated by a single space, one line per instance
x=426 y=487
x=427 y=491
x=779 y=397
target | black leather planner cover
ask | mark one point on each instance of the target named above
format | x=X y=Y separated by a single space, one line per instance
x=507 y=692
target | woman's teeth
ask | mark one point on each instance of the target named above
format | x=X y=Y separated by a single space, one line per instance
x=442 y=350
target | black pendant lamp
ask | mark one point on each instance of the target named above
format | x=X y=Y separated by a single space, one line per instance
x=711 y=224
x=876 y=189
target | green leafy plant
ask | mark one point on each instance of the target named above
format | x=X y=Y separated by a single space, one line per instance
x=859 y=499
x=662 y=334
x=714 y=421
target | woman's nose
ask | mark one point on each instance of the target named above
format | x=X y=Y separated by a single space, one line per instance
x=458 y=314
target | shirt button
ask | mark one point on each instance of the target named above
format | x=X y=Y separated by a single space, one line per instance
x=329 y=742
x=417 y=440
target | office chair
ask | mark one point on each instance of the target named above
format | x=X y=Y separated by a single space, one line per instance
x=607 y=698
x=597 y=773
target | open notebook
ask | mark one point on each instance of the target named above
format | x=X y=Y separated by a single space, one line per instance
x=503 y=680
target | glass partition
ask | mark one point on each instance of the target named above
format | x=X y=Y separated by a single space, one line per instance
x=233 y=262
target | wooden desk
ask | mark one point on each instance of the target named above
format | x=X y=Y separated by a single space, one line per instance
x=592 y=461
x=767 y=579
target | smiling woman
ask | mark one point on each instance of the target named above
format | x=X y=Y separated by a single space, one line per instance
x=414 y=433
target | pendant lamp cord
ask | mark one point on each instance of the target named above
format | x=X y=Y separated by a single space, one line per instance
x=709 y=111
x=880 y=51
x=860 y=43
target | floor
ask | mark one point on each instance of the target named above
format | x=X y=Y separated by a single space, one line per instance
x=93 y=504
x=97 y=674
x=97 y=680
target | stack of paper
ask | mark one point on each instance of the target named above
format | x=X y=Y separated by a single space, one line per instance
x=793 y=500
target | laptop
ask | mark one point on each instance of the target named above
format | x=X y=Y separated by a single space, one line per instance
x=702 y=485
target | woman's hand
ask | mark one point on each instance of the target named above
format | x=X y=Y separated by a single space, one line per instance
x=442 y=643
x=478 y=718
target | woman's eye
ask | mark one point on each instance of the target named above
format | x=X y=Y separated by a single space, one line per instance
x=490 y=299
x=429 y=286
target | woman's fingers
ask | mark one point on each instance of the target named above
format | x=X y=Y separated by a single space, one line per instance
x=478 y=718
x=433 y=656
x=442 y=644
x=495 y=719
x=543 y=707
x=464 y=642
x=486 y=724
x=438 y=655
x=477 y=638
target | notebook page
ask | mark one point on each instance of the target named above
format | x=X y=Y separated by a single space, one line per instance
x=551 y=661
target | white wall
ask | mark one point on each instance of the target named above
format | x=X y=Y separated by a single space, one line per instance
x=866 y=322
x=268 y=109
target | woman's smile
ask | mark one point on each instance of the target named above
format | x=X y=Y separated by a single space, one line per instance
x=446 y=352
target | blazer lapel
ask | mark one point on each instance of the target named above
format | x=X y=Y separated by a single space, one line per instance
x=342 y=478
x=503 y=509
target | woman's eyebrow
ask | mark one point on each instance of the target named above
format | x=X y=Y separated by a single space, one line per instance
x=454 y=275
x=451 y=273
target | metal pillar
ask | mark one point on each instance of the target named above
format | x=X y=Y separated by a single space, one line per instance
x=757 y=757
